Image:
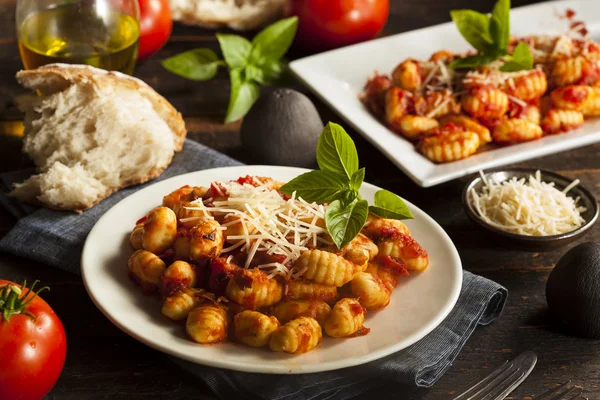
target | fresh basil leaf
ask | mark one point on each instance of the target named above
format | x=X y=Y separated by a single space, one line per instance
x=318 y=186
x=344 y=222
x=349 y=197
x=197 y=64
x=235 y=49
x=274 y=41
x=471 y=61
x=253 y=73
x=388 y=205
x=357 y=179
x=243 y=95
x=336 y=151
x=474 y=27
x=500 y=24
x=265 y=74
x=521 y=59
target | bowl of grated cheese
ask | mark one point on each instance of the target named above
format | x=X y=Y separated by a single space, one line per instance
x=531 y=208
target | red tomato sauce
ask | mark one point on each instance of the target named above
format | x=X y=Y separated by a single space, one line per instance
x=574 y=94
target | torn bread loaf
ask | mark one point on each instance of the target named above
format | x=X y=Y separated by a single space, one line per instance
x=235 y=14
x=91 y=132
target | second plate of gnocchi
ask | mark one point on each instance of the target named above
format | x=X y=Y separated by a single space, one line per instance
x=438 y=124
x=220 y=268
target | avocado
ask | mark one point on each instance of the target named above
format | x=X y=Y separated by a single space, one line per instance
x=282 y=128
x=573 y=290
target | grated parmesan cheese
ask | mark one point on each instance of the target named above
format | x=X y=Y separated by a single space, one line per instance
x=528 y=207
x=270 y=223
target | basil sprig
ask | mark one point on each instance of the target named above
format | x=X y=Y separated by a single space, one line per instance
x=250 y=64
x=338 y=181
x=490 y=35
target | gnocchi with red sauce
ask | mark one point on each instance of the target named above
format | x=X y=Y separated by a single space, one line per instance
x=452 y=114
x=221 y=267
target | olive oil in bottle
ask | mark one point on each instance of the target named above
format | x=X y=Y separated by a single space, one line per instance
x=76 y=34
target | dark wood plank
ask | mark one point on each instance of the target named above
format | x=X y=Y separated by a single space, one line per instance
x=103 y=362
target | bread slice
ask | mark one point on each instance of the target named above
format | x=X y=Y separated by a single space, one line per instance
x=91 y=132
x=235 y=14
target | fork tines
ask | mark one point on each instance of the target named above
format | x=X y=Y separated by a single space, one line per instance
x=502 y=380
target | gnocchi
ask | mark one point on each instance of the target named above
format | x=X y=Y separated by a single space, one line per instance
x=178 y=275
x=292 y=309
x=360 y=251
x=207 y=324
x=179 y=305
x=516 y=130
x=471 y=125
x=449 y=147
x=345 y=319
x=252 y=289
x=253 y=328
x=160 y=230
x=485 y=102
x=425 y=101
x=297 y=336
x=371 y=291
x=300 y=289
x=407 y=75
x=385 y=274
x=557 y=120
x=529 y=86
x=146 y=269
x=325 y=267
x=415 y=127
x=211 y=265
x=206 y=240
x=405 y=248
x=135 y=238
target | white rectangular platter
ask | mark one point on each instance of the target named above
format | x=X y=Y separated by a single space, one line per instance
x=338 y=77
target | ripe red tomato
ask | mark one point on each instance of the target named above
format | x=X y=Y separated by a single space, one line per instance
x=326 y=24
x=155 y=26
x=33 y=344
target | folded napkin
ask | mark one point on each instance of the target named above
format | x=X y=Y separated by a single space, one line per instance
x=57 y=237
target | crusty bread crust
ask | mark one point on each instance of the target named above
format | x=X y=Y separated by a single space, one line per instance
x=56 y=77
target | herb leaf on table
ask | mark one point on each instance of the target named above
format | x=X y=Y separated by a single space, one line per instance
x=250 y=64
x=197 y=64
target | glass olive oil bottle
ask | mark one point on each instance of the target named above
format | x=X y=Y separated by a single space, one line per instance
x=78 y=34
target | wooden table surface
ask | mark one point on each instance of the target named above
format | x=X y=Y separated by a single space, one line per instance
x=102 y=362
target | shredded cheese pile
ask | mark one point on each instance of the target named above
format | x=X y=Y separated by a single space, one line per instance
x=270 y=224
x=528 y=207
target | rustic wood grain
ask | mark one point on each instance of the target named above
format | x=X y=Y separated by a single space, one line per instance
x=104 y=363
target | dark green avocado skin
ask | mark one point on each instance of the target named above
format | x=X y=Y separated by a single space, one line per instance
x=282 y=128
x=573 y=290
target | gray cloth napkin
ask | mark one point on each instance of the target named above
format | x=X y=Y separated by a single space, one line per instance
x=56 y=238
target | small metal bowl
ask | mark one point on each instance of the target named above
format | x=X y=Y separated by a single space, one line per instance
x=538 y=243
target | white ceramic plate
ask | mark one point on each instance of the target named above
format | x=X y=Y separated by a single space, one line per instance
x=418 y=304
x=338 y=76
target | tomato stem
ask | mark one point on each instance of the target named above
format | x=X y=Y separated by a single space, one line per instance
x=13 y=299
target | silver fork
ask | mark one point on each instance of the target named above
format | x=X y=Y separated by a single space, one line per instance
x=566 y=391
x=502 y=380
